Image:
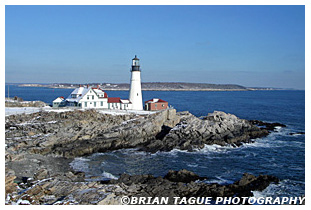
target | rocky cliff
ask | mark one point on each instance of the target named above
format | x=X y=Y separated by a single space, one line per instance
x=77 y=133
x=39 y=146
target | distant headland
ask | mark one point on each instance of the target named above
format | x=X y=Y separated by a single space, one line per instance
x=155 y=86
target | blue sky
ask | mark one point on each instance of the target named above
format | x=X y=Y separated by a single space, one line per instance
x=254 y=46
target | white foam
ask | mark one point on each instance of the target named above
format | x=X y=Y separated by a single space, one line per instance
x=297 y=134
x=266 y=142
x=258 y=143
x=173 y=152
x=131 y=151
x=219 y=180
x=214 y=148
x=108 y=175
x=268 y=192
x=283 y=188
x=192 y=165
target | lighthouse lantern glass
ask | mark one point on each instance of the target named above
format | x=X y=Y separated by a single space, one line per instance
x=135 y=63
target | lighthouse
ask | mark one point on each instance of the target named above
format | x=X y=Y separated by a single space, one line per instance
x=135 y=89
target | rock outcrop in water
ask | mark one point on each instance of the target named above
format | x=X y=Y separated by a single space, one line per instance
x=184 y=185
x=70 y=188
x=216 y=128
x=40 y=146
x=77 y=133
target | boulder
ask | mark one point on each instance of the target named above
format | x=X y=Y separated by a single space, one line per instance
x=182 y=176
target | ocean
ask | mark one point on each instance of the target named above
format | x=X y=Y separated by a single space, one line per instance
x=279 y=154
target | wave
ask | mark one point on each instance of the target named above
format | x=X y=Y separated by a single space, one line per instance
x=192 y=165
x=173 y=152
x=130 y=151
x=270 y=141
x=214 y=148
x=108 y=175
x=286 y=188
x=219 y=180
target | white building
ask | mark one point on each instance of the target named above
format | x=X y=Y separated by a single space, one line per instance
x=135 y=90
x=91 y=97
x=88 y=97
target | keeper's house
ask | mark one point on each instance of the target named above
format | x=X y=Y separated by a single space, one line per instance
x=155 y=104
x=91 y=97
x=88 y=97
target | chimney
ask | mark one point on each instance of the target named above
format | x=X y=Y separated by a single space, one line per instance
x=87 y=85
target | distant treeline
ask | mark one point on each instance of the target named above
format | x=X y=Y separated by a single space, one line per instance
x=153 y=86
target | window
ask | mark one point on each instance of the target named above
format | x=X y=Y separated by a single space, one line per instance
x=101 y=103
x=87 y=97
x=94 y=104
x=162 y=105
x=92 y=97
x=85 y=104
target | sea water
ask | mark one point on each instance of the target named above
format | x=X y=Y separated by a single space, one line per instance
x=279 y=154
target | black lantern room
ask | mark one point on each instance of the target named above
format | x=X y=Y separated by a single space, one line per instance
x=135 y=64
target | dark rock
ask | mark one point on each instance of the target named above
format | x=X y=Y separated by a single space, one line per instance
x=25 y=179
x=164 y=131
x=249 y=183
x=181 y=184
x=182 y=176
x=266 y=125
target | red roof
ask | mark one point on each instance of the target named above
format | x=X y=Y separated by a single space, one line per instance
x=159 y=101
x=114 y=100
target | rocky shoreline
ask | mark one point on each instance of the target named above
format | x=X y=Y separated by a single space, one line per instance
x=19 y=102
x=40 y=146
x=71 y=188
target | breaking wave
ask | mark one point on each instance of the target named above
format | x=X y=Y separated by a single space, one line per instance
x=284 y=188
x=108 y=175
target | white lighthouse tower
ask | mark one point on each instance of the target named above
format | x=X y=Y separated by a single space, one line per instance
x=135 y=89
